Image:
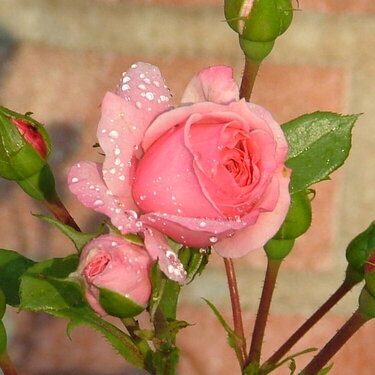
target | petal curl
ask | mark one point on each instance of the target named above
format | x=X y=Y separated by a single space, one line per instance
x=158 y=249
x=214 y=84
x=141 y=97
x=193 y=232
x=268 y=223
x=86 y=182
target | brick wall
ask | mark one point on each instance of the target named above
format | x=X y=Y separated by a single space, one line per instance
x=68 y=53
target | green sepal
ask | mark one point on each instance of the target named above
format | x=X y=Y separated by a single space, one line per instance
x=194 y=261
x=298 y=218
x=41 y=185
x=118 y=305
x=366 y=303
x=252 y=369
x=370 y=282
x=46 y=287
x=360 y=249
x=3 y=339
x=266 y=20
x=18 y=159
x=278 y=249
x=12 y=266
x=79 y=239
x=325 y=370
x=256 y=51
x=3 y=304
x=319 y=143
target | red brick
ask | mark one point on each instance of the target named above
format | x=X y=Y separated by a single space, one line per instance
x=358 y=6
x=210 y=354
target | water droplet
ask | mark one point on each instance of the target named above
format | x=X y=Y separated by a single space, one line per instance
x=134 y=66
x=117 y=151
x=117 y=161
x=98 y=203
x=75 y=179
x=150 y=96
x=202 y=224
x=213 y=239
x=125 y=87
x=113 y=134
x=203 y=251
x=142 y=197
x=114 y=243
x=173 y=197
x=122 y=178
x=142 y=87
x=139 y=224
x=156 y=83
x=138 y=105
x=132 y=214
x=91 y=187
x=112 y=171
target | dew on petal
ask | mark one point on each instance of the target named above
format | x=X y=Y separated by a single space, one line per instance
x=98 y=203
x=213 y=239
x=113 y=134
x=75 y=179
x=202 y=224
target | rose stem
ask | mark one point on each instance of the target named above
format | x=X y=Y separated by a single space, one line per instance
x=58 y=209
x=248 y=78
x=344 y=288
x=236 y=309
x=6 y=365
x=132 y=326
x=356 y=321
x=272 y=271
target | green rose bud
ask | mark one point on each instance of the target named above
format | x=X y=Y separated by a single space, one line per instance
x=194 y=261
x=258 y=23
x=259 y=20
x=24 y=145
x=24 y=148
x=370 y=274
x=367 y=303
x=360 y=248
x=298 y=219
x=278 y=249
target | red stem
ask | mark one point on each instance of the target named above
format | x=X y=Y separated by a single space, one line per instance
x=248 y=78
x=6 y=365
x=272 y=271
x=331 y=301
x=356 y=321
x=58 y=209
x=236 y=309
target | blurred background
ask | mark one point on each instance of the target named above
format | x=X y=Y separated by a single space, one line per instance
x=59 y=57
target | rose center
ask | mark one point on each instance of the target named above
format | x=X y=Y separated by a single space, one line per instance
x=96 y=266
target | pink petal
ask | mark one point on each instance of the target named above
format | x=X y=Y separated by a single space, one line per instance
x=214 y=84
x=169 y=119
x=169 y=263
x=193 y=232
x=86 y=182
x=268 y=223
x=141 y=96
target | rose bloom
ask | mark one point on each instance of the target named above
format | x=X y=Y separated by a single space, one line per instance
x=114 y=263
x=209 y=172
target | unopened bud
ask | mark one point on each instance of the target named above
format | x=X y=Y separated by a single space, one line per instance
x=116 y=277
x=24 y=145
x=258 y=23
x=360 y=249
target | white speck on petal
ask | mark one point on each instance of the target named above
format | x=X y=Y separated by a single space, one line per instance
x=98 y=203
x=75 y=179
x=113 y=134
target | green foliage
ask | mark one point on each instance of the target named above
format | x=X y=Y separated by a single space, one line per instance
x=12 y=267
x=118 y=305
x=252 y=369
x=319 y=143
x=233 y=340
x=46 y=287
x=2 y=304
x=325 y=370
x=3 y=338
x=194 y=261
x=79 y=239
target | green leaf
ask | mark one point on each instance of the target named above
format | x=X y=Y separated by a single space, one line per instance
x=252 y=369
x=319 y=143
x=292 y=366
x=44 y=287
x=12 y=267
x=79 y=239
x=325 y=370
x=233 y=339
x=3 y=304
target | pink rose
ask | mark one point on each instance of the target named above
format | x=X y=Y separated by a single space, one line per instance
x=113 y=263
x=210 y=172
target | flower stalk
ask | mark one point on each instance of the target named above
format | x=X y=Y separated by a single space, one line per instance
x=356 y=321
x=248 y=80
x=272 y=271
x=341 y=291
x=236 y=310
x=7 y=365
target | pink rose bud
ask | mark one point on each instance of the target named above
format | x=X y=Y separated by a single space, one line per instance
x=116 y=276
x=32 y=136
